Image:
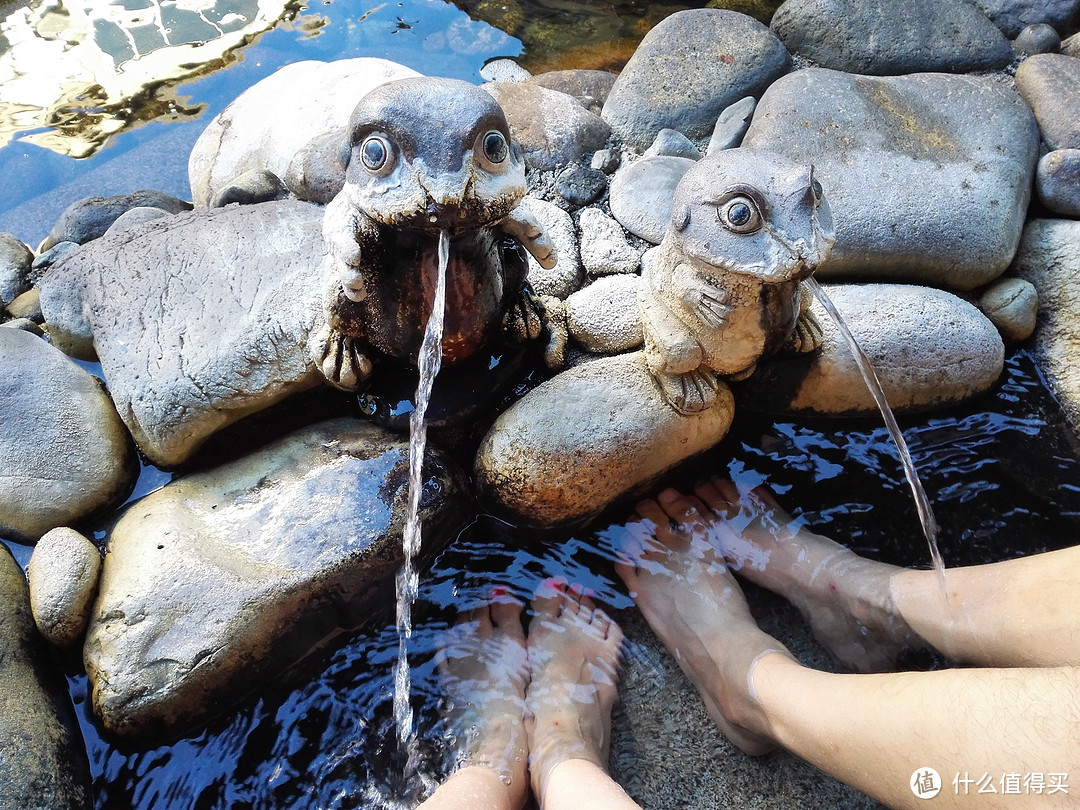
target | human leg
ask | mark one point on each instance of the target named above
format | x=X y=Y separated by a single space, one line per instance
x=872 y=731
x=573 y=657
x=484 y=666
x=1020 y=612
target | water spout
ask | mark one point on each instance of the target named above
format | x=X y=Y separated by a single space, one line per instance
x=922 y=502
x=408 y=579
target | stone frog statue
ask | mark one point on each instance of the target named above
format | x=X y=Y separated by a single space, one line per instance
x=722 y=290
x=423 y=156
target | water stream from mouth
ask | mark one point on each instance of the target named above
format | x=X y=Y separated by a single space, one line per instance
x=922 y=502
x=408 y=579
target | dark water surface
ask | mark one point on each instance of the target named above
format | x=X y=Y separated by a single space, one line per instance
x=1002 y=473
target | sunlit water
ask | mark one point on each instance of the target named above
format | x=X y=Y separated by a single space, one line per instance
x=408 y=580
x=925 y=511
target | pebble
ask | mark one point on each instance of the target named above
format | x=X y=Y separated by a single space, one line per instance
x=604 y=248
x=928 y=176
x=552 y=128
x=1057 y=181
x=605 y=160
x=883 y=37
x=603 y=317
x=1012 y=305
x=641 y=194
x=1034 y=39
x=1050 y=83
x=539 y=460
x=673 y=143
x=253 y=186
x=503 y=70
x=929 y=348
x=64 y=452
x=580 y=185
x=688 y=69
x=732 y=124
x=63 y=577
x=27 y=305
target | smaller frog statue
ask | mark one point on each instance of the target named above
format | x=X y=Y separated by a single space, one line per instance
x=425 y=156
x=723 y=289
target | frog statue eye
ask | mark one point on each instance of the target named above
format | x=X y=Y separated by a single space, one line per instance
x=493 y=149
x=740 y=212
x=377 y=154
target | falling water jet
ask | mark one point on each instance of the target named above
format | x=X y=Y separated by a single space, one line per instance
x=408 y=579
x=922 y=502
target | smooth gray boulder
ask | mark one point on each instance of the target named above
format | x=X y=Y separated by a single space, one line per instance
x=1049 y=258
x=64 y=453
x=15 y=261
x=688 y=69
x=641 y=194
x=314 y=97
x=1057 y=181
x=589 y=87
x=1041 y=38
x=603 y=317
x=552 y=128
x=198 y=320
x=885 y=38
x=43 y=764
x=222 y=579
x=1011 y=16
x=589 y=435
x=928 y=176
x=63 y=578
x=1050 y=83
x=91 y=217
x=929 y=348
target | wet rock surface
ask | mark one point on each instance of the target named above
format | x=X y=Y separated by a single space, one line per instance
x=928 y=347
x=197 y=321
x=64 y=453
x=1049 y=258
x=223 y=578
x=43 y=764
x=687 y=70
x=539 y=460
x=881 y=37
x=928 y=176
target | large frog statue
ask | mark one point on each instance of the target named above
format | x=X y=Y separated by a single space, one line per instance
x=723 y=289
x=425 y=156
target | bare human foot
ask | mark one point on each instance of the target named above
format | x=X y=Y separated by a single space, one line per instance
x=484 y=666
x=695 y=607
x=573 y=655
x=845 y=598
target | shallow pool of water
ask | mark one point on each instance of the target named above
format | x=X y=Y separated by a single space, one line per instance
x=1002 y=473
